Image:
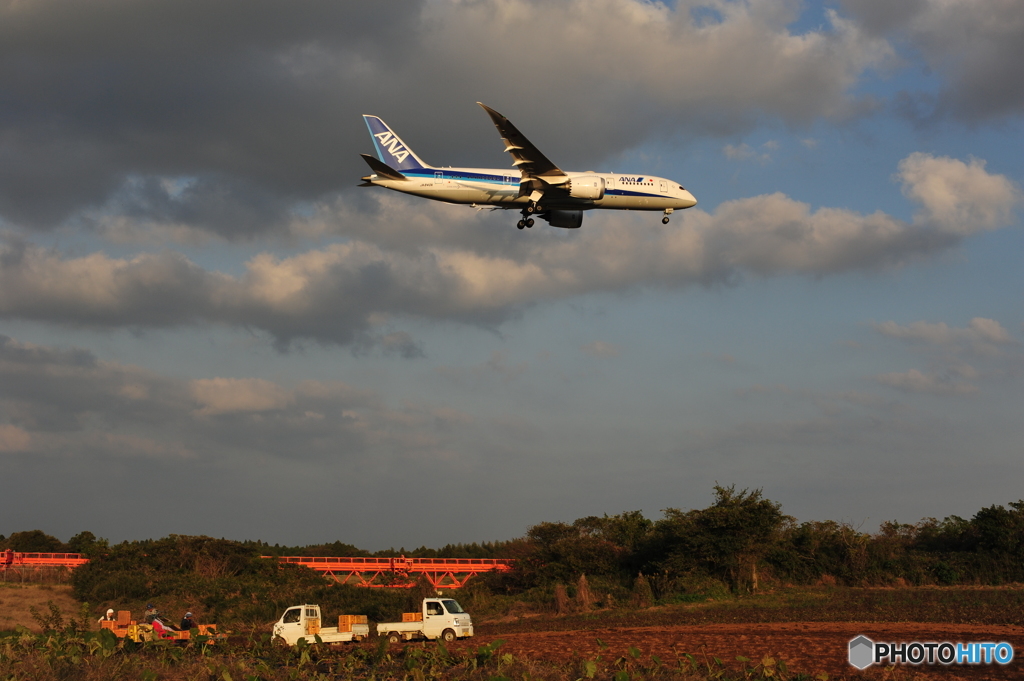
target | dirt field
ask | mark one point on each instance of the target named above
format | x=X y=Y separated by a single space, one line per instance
x=806 y=647
x=17 y=599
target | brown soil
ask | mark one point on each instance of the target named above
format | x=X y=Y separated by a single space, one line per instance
x=810 y=647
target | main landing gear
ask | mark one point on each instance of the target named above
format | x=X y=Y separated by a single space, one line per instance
x=526 y=220
x=664 y=220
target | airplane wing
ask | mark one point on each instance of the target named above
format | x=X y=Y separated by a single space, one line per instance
x=537 y=171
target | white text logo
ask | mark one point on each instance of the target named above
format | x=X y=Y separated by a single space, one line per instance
x=864 y=652
x=393 y=145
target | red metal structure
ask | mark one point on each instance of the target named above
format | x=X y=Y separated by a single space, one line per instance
x=401 y=572
x=38 y=566
x=10 y=558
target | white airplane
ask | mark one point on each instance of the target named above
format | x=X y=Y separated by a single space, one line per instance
x=537 y=186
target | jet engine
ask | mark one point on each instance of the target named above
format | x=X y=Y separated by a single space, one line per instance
x=566 y=219
x=586 y=187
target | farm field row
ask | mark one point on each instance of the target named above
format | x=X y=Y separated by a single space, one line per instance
x=808 y=647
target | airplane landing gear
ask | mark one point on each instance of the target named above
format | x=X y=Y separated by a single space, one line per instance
x=664 y=220
x=526 y=221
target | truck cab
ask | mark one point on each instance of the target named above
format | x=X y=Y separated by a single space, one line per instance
x=298 y=621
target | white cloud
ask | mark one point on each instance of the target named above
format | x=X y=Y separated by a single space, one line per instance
x=13 y=438
x=984 y=340
x=980 y=336
x=229 y=395
x=347 y=293
x=930 y=383
x=602 y=349
x=744 y=152
x=959 y=198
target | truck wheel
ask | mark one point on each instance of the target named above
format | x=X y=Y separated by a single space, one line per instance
x=447 y=635
x=394 y=637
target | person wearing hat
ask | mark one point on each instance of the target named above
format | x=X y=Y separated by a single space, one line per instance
x=151 y=613
x=187 y=623
x=109 y=617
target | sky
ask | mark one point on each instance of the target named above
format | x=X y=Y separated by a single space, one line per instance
x=207 y=328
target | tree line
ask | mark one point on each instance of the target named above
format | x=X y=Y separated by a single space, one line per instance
x=739 y=543
x=744 y=540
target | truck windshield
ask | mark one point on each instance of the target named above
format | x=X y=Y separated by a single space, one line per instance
x=453 y=607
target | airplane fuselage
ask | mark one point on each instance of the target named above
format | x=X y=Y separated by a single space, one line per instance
x=500 y=187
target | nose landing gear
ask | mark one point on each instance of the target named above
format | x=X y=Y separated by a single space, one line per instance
x=664 y=220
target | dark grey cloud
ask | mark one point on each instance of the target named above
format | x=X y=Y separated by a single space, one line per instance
x=975 y=47
x=257 y=104
x=62 y=391
x=56 y=401
x=96 y=92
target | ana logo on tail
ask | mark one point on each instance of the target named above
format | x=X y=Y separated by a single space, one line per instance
x=393 y=145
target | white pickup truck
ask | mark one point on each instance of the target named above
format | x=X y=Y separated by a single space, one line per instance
x=303 y=621
x=440 y=618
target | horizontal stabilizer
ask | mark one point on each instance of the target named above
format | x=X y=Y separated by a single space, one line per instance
x=382 y=169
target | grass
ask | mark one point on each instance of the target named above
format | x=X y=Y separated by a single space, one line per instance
x=88 y=656
x=952 y=605
x=99 y=656
x=17 y=601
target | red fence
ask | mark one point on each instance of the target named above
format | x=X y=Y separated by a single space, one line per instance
x=10 y=558
x=402 y=572
x=38 y=567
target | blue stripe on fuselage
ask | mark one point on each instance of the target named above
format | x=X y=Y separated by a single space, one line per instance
x=464 y=175
x=428 y=173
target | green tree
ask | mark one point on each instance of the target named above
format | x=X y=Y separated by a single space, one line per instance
x=87 y=544
x=999 y=530
x=726 y=540
x=35 y=541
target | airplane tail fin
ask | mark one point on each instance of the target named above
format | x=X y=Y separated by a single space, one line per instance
x=391 y=150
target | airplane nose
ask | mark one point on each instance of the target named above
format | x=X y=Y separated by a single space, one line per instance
x=688 y=199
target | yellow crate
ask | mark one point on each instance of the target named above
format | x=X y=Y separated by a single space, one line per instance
x=412 y=617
